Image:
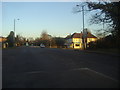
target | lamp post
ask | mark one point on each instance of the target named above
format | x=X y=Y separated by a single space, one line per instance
x=14 y=25
x=14 y=30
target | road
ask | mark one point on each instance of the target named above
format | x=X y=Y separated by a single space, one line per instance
x=34 y=67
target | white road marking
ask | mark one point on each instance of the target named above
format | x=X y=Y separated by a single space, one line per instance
x=98 y=73
x=81 y=69
x=36 y=72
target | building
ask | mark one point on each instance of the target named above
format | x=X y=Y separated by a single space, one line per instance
x=2 y=39
x=75 y=40
x=3 y=42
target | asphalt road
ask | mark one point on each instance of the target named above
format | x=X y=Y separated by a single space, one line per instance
x=34 y=67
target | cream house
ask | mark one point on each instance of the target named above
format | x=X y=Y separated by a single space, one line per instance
x=2 y=39
x=2 y=42
x=75 y=40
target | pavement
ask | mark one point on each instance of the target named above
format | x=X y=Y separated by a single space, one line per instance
x=104 y=52
x=35 y=67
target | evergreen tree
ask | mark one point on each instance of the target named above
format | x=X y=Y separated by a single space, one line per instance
x=11 y=39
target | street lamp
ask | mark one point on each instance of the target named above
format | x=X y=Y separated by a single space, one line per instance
x=14 y=25
x=14 y=29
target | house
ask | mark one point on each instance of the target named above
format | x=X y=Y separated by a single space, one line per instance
x=2 y=39
x=3 y=42
x=75 y=40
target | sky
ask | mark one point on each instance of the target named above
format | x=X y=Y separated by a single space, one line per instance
x=57 y=18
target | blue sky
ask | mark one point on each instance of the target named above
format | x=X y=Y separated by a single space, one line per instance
x=56 y=18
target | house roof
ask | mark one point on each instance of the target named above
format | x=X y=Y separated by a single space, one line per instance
x=79 y=35
x=89 y=35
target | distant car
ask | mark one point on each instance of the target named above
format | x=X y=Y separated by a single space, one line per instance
x=27 y=44
x=42 y=45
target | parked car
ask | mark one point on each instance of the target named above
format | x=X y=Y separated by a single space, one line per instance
x=42 y=45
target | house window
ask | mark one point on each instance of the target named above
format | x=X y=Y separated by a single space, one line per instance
x=77 y=44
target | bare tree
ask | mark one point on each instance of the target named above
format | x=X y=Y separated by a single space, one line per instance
x=44 y=35
x=20 y=40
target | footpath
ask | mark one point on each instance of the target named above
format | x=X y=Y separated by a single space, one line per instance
x=105 y=52
x=112 y=52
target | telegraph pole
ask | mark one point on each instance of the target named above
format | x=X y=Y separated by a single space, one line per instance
x=83 y=36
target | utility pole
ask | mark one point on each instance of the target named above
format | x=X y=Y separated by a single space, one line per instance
x=103 y=28
x=84 y=37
